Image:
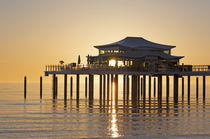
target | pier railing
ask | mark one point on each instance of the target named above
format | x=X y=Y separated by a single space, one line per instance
x=180 y=68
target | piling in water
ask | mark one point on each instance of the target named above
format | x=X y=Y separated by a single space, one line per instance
x=204 y=87
x=188 y=87
x=197 y=87
x=85 y=87
x=40 y=87
x=77 y=86
x=25 y=87
x=71 y=87
x=65 y=86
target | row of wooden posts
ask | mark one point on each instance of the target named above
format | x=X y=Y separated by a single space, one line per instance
x=138 y=87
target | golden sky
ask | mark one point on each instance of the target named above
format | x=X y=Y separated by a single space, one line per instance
x=34 y=33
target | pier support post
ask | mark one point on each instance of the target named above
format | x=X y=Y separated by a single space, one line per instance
x=149 y=87
x=85 y=87
x=144 y=87
x=54 y=85
x=154 y=87
x=167 y=87
x=197 y=87
x=25 y=87
x=134 y=89
x=108 y=87
x=160 y=88
x=91 y=86
x=77 y=86
x=116 y=88
x=138 y=87
x=176 y=87
x=65 y=86
x=112 y=82
x=204 y=87
x=100 y=87
x=104 y=88
x=71 y=86
x=124 y=83
x=141 y=87
x=40 y=87
x=182 y=88
x=188 y=87
x=128 y=87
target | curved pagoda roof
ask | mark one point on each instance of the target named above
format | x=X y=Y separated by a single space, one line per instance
x=136 y=43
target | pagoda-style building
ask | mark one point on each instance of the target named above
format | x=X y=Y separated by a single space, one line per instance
x=136 y=53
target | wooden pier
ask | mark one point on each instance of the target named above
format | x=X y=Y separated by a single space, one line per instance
x=109 y=77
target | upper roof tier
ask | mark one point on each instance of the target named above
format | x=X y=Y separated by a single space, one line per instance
x=136 y=43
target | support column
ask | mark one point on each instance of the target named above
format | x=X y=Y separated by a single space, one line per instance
x=182 y=88
x=176 y=87
x=40 y=87
x=25 y=87
x=71 y=86
x=53 y=80
x=138 y=87
x=167 y=87
x=188 y=87
x=85 y=87
x=128 y=87
x=124 y=82
x=65 y=86
x=104 y=88
x=112 y=82
x=154 y=87
x=204 y=87
x=134 y=89
x=160 y=87
x=149 y=87
x=197 y=87
x=100 y=87
x=56 y=87
x=77 y=86
x=116 y=88
x=108 y=88
x=144 y=87
x=91 y=86
x=141 y=86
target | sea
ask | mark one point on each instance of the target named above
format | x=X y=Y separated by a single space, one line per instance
x=55 y=118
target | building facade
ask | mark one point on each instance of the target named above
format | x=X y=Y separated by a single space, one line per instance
x=136 y=53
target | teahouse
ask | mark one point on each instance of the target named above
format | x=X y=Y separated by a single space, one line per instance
x=136 y=53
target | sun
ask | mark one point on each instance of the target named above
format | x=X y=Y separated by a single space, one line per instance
x=112 y=62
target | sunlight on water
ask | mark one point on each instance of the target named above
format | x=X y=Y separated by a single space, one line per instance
x=114 y=128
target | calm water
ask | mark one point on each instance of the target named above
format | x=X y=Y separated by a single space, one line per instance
x=55 y=119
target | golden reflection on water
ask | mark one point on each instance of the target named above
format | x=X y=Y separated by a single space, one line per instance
x=114 y=128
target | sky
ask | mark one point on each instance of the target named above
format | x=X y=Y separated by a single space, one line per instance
x=34 y=33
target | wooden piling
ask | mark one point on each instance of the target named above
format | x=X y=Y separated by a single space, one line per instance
x=100 y=87
x=124 y=83
x=65 y=86
x=138 y=87
x=112 y=81
x=91 y=86
x=188 y=86
x=25 y=87
x=116 y=88
x=154 y=87
x=204 y=87
x=40 y=87
x=197 y=87
x=53 y=80
x=144 y=87
x=176 y=87
x=134 y=89
x=149 y=87
x=128 y=87
x=56 y=87
x=85 y=87
x=71 y=86
x=141 y=86
x=108 y=87
x=104 y=88
x=182 y=88
x=77 y=86
x=167 y=87
x=160 y=87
